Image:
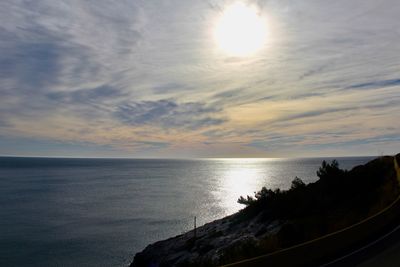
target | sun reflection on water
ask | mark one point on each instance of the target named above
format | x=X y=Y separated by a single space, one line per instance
x=239 y=180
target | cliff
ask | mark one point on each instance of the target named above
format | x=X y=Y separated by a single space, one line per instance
x=273 y=220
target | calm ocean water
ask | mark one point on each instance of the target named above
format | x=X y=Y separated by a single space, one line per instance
x=100 y=212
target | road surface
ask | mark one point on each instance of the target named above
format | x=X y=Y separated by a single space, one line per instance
x=382 y=252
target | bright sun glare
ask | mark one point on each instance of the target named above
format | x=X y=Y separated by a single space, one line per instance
x=240 y=31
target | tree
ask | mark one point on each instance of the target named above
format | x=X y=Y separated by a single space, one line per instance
x=246 y=201
x=329 y=170
x=297 y=183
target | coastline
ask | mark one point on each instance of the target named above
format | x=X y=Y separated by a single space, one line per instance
x=217 y=243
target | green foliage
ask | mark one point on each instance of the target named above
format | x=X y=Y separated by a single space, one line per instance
x=336 y=189
x=246 y=201
x=305 y=211
x=261 y=196
x=338 y=199
x=297 y=183
x=330 y=170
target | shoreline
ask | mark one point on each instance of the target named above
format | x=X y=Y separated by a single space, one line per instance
x=216 y=238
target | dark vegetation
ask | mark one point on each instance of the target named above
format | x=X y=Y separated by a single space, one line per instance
x=277 y=219
x=338 y=199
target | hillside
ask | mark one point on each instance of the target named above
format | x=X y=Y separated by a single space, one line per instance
x=276 y=219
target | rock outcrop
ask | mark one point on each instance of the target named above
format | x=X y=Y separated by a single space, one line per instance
x=215 y=242
x=280 y=219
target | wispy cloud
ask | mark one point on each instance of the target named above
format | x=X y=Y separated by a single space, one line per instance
x=376 y=84
x=146 y=78
x=85 y=95
x=169 y=114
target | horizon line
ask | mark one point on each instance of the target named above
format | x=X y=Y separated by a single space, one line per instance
x=188 y=158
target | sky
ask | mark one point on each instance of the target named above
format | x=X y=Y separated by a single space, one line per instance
x=142 y=79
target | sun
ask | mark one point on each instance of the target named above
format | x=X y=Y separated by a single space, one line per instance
x=240 y=31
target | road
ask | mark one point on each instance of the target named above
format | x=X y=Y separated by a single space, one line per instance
x=383 y=252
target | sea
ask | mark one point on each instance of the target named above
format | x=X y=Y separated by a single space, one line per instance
x=100 y=212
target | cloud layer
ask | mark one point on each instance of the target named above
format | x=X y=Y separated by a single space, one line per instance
x=145 y=79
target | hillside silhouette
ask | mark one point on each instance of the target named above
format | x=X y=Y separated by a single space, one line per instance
x=276 y=219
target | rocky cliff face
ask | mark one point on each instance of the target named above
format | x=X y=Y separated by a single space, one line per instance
x=327 y=205
x=215 y=243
